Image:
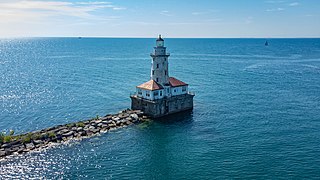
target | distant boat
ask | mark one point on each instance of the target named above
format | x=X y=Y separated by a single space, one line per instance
x=79 y=37
x=266 y=43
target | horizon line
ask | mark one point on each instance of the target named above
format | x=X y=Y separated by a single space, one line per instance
x=170 y=37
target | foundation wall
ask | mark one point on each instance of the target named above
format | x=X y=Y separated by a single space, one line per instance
x=162 y=107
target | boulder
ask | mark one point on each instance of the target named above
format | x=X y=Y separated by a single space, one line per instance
x=134 y=116
x=83 y=133
x=86 y=122
x=98 y=121
x=104 y=126
x=80 y=129
x=89 y=133
x=6 y=145
x=63 y=131
x=68 y=134
x=115 y=118
x=2 y=152
x=128 y=119
x=104 y=122
x=108 y=116
x=58 y=129
x=94 y=131
x=26 y=150
x=38 y=141
x=137 y=111
x=105 y=118
x=74 y=128
x=17 y=148
x=30 y=146
x=8 y=152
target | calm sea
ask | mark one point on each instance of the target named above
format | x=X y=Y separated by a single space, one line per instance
x=256 y=110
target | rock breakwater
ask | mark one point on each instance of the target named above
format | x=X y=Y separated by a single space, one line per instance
x=18 y=144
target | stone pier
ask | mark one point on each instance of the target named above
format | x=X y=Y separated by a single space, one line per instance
x=36 y=140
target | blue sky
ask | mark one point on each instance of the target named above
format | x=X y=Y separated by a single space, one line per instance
x=172 y=18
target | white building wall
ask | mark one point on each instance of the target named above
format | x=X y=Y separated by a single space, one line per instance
x=175 y=91
x=157 y=94
x=159 y=66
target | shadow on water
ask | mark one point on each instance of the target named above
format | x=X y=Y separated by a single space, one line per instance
x=180 y=117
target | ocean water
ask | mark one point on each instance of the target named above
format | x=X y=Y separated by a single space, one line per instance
x=256 y=110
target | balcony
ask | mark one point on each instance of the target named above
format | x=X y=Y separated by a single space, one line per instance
x=153 y=55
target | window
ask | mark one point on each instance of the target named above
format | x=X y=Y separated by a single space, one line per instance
x=184 y=88
x=174 y=90
x=157 y=79
x=148 y=94
x=165 y=59
x=165 y=72
x=160 y=93
x=156 y=93
x=157 y=65
x=152 y=72
x=139 y=92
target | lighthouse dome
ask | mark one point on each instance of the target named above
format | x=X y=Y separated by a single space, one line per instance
x=160 y=41
x=159 y=38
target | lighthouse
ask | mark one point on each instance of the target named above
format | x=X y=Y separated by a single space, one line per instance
x=161 y=95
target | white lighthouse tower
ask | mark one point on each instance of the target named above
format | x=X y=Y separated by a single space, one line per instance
x=161 y=95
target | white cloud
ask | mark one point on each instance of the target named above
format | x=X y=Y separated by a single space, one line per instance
x=309 y=15
x=93 y=3
x=33 y=9
x=275 y=9
x=165 y=13
x=249 y=20
x=119 y=8
x=197 y=13
x=294 y=4
x=274 y=2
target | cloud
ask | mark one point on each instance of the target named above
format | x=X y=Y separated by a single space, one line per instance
x=119 y=8
x=249 y=20
x=294 y=4
x=33 y=9
x=197 y=13
x=165 y=13
x=309 y=15
x=275 y=9
x=93 y=3
x=274 y=2
x=204 y=12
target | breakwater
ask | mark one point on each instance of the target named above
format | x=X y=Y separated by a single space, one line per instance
x=36 y=140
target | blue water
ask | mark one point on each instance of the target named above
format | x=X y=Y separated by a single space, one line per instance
x=256 y=110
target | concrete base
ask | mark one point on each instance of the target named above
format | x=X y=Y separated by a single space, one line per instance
x=161 y=107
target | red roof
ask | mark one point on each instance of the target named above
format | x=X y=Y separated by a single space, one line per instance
x=175 y=82
x=150 y=85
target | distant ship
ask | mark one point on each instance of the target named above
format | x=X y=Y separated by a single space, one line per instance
x=266 y=43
